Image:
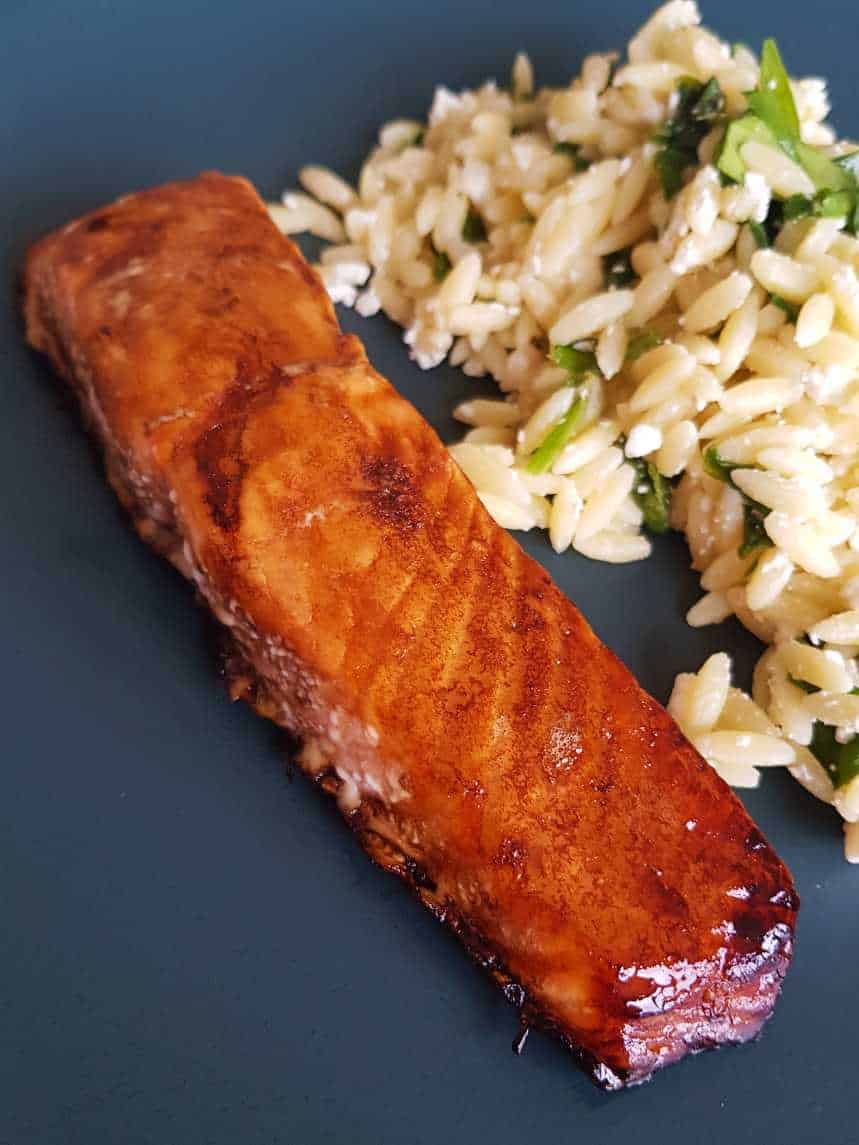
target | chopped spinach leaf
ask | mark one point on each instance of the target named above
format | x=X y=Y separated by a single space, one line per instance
x=790 y=308
x=571 y=150
x=849 y=162
x=652 y=493
x=580 y=362
x=774 y=221
x=548 y=451
x=577 y=359
x=834 y=204
x=825 y=173
x=670 y=165
x=755 y=535
x=710 y=105
x=797 y=207
x=441 y=264
x=719 y=467
x=700 y=106
x=617 y=269
x=841 y=760
x=803 y=685
x=473 y=227
x=772 y=119
x=773 y=100
x=765 y=233
x=640 y=344
x=824 y=204
x=759 y=234
x=746 y=129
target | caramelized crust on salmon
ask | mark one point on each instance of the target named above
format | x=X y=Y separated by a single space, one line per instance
x=481 y=741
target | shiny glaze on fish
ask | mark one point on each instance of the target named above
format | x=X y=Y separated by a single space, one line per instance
x=480 y=739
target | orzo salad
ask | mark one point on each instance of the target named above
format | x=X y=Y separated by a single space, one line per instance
x=658 y=265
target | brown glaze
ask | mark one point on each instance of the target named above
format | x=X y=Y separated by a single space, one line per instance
x=483 y=743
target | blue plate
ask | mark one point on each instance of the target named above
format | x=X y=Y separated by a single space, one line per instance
x=192 y=947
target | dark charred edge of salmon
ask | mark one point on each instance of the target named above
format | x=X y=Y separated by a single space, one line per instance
x=532 y=1014
x=422 y=887
x=244 y=683
x=44 y=337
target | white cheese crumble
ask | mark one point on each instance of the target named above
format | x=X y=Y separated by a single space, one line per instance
x=643 y=439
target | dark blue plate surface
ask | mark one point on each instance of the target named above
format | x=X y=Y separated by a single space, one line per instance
x=192 y=947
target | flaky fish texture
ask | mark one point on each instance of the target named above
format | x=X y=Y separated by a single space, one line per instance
x=480 y=739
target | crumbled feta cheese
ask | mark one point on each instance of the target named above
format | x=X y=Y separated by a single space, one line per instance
x=758 y=196
x=368 y=303
x=523 y=153
x=683 y=261
x=341 y=292
x=427 y=359
x=351 y=273
x=443 y=103
x=824 y=383
x=428 y=348
x=475 y=180
x=845 y=282
x=643 y=439
x=702 y=200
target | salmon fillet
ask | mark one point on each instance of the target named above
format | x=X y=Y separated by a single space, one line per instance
x=480 y=740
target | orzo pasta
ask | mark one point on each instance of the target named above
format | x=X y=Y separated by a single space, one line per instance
x=658 y=266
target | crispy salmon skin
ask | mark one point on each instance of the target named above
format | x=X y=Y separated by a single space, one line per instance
x=480 y=739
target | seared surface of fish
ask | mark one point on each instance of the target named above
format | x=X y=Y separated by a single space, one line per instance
x=481 y=741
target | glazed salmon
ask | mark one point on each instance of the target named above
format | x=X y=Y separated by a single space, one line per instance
x=481 y=741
